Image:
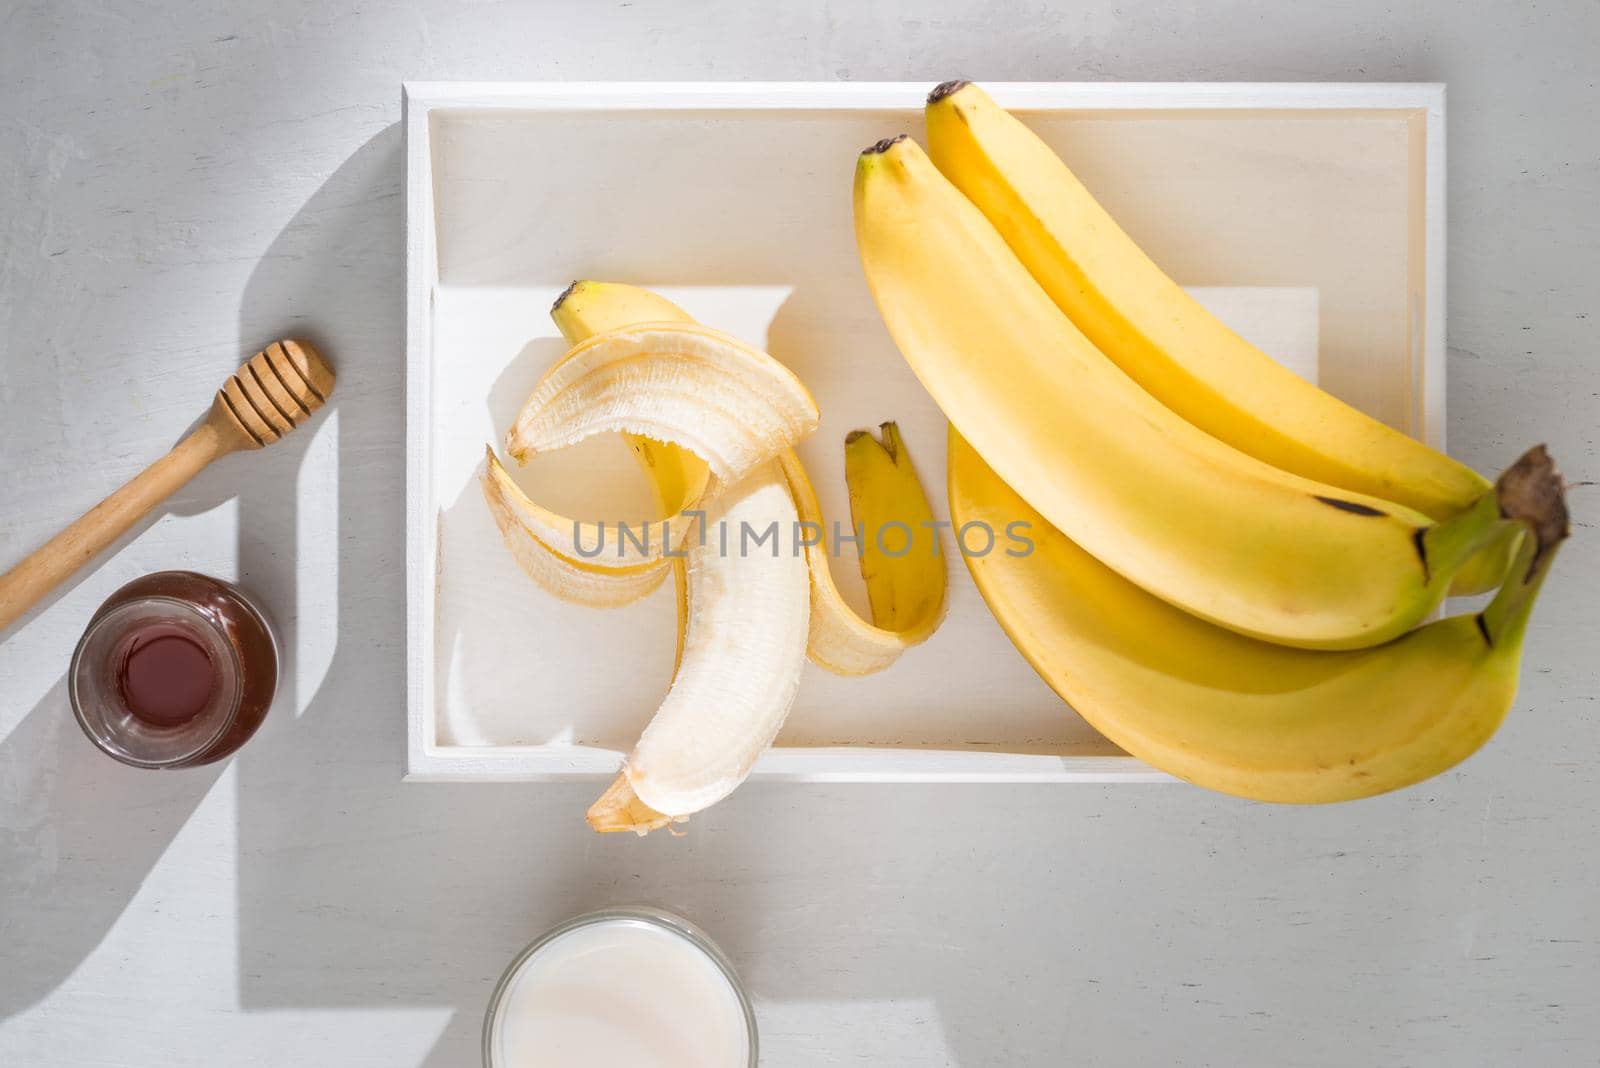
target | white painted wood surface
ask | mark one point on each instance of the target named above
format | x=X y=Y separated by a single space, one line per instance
x=179 y=182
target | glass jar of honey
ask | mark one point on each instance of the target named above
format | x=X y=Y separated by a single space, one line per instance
x=175 y=669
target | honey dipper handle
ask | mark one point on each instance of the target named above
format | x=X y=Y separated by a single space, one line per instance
x=47 y=566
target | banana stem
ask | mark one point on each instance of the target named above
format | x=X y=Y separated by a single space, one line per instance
x=1445 y=546
x=1530 y=492
x=1505 y=618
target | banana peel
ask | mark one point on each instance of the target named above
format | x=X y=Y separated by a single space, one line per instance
x=882 y=495
x=906 y=593
x=901 y=561
x=586 y=308
x=570 y=579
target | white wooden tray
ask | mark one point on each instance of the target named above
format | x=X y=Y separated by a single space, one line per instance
x=1309 y=216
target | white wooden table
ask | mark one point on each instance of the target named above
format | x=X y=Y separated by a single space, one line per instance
x=181 y=183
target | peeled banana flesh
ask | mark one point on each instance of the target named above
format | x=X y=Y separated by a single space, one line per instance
x=743 y=652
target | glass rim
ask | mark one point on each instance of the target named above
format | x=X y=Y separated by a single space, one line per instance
x=101 y=619
x=661 y=918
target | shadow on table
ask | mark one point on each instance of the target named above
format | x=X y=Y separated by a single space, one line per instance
x=74 y=818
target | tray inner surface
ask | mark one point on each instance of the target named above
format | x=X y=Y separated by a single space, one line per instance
x=1309 y=221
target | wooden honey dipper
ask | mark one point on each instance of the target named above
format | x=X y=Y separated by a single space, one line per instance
x=275 y=391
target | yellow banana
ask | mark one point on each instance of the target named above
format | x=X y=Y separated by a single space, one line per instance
x=1189 y=518
x=1167 y=341
x=1247 y=717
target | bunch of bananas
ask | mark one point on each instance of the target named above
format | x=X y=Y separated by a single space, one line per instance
x=1232 y=569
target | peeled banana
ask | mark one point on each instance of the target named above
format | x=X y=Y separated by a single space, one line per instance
x=711 y=421
x=1167 y=341
x=1187 y=517
x=1247 y=717
x=841 y=641
x=744 y=646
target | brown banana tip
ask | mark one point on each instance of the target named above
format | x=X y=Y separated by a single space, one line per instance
x=565 y=293
x=855 y=435
x=1533 y=492
x=890 y=432
x=944 y=89
x=880 y=147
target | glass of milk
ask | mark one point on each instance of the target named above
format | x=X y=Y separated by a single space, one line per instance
x=634 y=986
